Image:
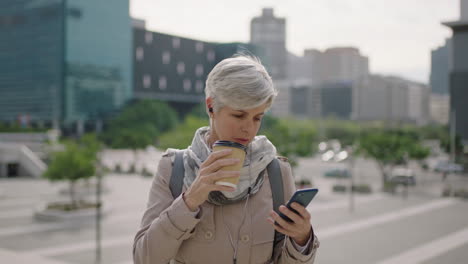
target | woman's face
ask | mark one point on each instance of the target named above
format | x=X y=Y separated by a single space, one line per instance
x=236 y=125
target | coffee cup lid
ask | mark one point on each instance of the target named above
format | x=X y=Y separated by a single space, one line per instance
x=227 y=143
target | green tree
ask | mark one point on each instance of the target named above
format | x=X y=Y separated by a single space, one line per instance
x=139 y=124
x=181 y=136
x=76 y=162
x=389 y=148
x=291 y=137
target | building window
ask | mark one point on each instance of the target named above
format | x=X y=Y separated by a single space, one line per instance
x=187 y=85
x=139 y=53
x=146 y=81
x=199 y=86
x=199 y=47
x=210 y=56
x=180 y=68
x=199 y=70
x=166 y=57
x=176 y=43
x=75 y=12
x=149 y=37
x=49 y=12
x=162 y=82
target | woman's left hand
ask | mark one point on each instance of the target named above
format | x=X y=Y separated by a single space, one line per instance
x=299 y=230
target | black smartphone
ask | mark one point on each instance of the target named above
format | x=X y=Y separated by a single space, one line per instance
x=302 y=197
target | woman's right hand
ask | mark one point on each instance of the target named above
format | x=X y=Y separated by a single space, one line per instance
x=208 y=174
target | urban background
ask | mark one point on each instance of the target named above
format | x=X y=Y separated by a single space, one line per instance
x=90 y=98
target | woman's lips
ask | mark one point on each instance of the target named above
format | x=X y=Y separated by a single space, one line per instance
x=241 y=140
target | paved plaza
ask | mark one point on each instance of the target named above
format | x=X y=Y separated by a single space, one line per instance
x=421 y=227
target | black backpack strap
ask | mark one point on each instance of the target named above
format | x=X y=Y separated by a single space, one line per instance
x=276 y=183
x=178 y=173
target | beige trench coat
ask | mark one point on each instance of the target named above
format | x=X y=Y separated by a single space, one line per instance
x=169 y=231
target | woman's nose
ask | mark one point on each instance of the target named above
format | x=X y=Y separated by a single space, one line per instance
x=246 y=126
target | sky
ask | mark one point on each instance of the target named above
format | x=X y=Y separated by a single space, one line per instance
x=396 y=35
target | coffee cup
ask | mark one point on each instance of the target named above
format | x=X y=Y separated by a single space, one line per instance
x=238 y=152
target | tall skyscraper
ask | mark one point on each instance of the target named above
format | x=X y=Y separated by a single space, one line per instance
x=440 y=68
x=64 y=62
x=459 y=73
x=269 y=33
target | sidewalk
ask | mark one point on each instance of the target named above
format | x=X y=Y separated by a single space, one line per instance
x=7 y=256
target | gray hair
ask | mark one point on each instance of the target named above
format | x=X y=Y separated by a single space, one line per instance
x=240 y=82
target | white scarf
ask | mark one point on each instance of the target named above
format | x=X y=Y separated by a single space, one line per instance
x=260 y=152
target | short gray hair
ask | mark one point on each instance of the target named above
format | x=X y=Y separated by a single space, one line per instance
x=240 y=82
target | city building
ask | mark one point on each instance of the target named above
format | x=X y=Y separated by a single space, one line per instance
x=440 y=68
x=338 y=64
x=170 y=68
x=327 y=100
x=174 y=69
x=459 y=73
x=269 y=33
x=281 y=106
x=64 y=63
x=343 y=64
x=440 y=108
x=336 y=99
x=306 y=68
x=391 y=99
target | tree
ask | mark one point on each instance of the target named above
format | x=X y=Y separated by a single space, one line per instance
x=389 y=148
x=139 y=124
x=292 y=138
x=76 y=162
x=181 y=136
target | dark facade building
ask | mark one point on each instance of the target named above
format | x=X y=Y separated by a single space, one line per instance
x=300 y=105
x=171 y=68
x=64 y=62
x=325 y=100
x=459 y=73
x=336 y=99
x=440 y=68
x=174 y=69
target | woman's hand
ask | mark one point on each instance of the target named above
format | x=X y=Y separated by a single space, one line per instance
x=299 y=230
x=208 y=174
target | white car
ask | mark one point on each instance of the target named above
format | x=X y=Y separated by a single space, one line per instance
x=404 y=176
x=448 y=167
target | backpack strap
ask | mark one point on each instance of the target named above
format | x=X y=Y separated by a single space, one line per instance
x=178 y=173
x=276 y=184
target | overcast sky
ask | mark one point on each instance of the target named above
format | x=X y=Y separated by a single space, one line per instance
x=396 y=35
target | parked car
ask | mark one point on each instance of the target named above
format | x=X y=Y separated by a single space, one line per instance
x=403 y=176
x=337 y=173
x=448 y=167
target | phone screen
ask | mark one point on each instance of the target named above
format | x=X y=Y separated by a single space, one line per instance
x=302 y=197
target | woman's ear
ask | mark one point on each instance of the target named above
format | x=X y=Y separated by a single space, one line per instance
x=209 y=104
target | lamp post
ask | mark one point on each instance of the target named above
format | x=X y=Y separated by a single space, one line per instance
x=351 y=179
x=98 y=209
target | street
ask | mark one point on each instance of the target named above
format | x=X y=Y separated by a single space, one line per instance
x=421 y=227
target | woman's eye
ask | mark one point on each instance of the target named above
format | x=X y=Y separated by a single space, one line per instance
x=237 y=116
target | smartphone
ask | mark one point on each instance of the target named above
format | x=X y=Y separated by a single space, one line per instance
x=302 y=197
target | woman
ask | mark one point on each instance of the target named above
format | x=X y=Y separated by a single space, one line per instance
x=210 y=223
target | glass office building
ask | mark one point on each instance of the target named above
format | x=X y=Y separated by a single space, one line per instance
x=31 y=53
x=60 y=68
